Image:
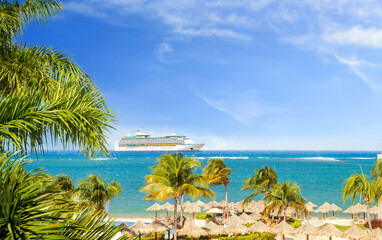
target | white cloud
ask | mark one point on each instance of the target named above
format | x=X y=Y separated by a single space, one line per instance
x=371 y=37
x=163 y=50
x=358 y=67
x=242 y=106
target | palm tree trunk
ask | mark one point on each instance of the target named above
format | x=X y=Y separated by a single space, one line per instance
x=176 y=200
x=368 y=216
x=226 y=194
x=181 y=206
x=285 y=215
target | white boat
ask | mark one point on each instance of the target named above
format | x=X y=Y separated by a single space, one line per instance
x=143 y=142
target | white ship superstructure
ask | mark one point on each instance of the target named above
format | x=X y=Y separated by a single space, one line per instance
x=143 y=142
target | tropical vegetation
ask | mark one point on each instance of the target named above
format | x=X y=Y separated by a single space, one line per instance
x=261 y=182
x=95 y=192
x=368 y=190
x=171 y=177
x=45 y=98
x=218 y=174
x=282 y=196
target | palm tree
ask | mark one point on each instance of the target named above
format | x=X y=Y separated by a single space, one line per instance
x=376 y=171
x=95 y=192
x=171 y=177
x=360 y=185
x=218 y=174
x=284 y=195
x=261 y=182
x=26 y=212
x=195 y=182
x=45 y=95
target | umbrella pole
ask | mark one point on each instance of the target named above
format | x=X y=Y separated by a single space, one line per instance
x=167 y=213
x=140 y=236
x=155 y=236
x=156 y=215
x=307 y=236
x=193 y=216
x=333 y=213
x=330 y=238
x=364 y=216
x=168 y=234
x=283 y=236
x=352 y=216
x=235 y=236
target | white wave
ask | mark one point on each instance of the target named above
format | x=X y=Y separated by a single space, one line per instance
x=324 y=159
x=222 y=157
x=264 y=157
x=103 y=159
x=363 y=157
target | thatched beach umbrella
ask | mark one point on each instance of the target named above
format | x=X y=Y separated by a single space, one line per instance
x=324 y=208
x=335 y=208
x=192 y=230
x=308 y=229
x=374 y=210
x=127 y=231
x=169 y=207
x=282 y=228
x=199 y=203
x=158 y=226
x=156 y=207
x=351 y=210
x=212 y=229
x=259 y=227
x=331 y=231
x=375 y=234
x=354 y=232
x=232 y=220
x=141 y=228
x=193 y=209
x=310 y=204
x=246 y=219
x=255 y=216
x=236 y=229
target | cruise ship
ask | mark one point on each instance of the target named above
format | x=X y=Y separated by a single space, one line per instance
x=143 y=142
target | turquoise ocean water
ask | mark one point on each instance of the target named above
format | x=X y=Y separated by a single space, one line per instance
x=320 y=174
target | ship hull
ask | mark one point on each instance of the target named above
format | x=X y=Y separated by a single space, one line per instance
x=176 y=148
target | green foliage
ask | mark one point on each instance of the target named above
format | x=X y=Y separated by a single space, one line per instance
x=95 y=192
x=204 y=216
x=160 y=236
x=28 y=211
x=294 y=222
x=284 y=195
x=261 y=182
x=217 y=172
x=254 y=236
x=376 y=171
x=45 y=95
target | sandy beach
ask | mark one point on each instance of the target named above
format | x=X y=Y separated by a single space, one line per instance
x=123 y=219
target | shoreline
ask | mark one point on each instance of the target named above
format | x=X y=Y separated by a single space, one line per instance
x=133 y=219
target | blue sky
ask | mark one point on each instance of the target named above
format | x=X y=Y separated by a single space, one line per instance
x=243 y=74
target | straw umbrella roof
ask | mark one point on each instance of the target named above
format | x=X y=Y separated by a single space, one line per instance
x=141 y=228
x=335 y=208
x=168 y=206
x=376 y=234
x=192 y=230
x=235 y=228
x=331 y=231
x=212 y=229
x=310 y=204
x=186 y=204
x=351 y=210
x=354 y=232
x=256 y=216
x=324 y=208
x=170 y=223
x=126 y=230
x=233 y=219
x=282 y=228
x=374 y=210
x=307 y=228
x=158 y=226
x=361 y=208
x=259 y=227
x=192 y=209
x=246 y=219
x=155 y=207
x=199 y=203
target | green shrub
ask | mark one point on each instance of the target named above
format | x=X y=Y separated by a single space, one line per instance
x=204 y=216
x=160 y=236
x=294 y=222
